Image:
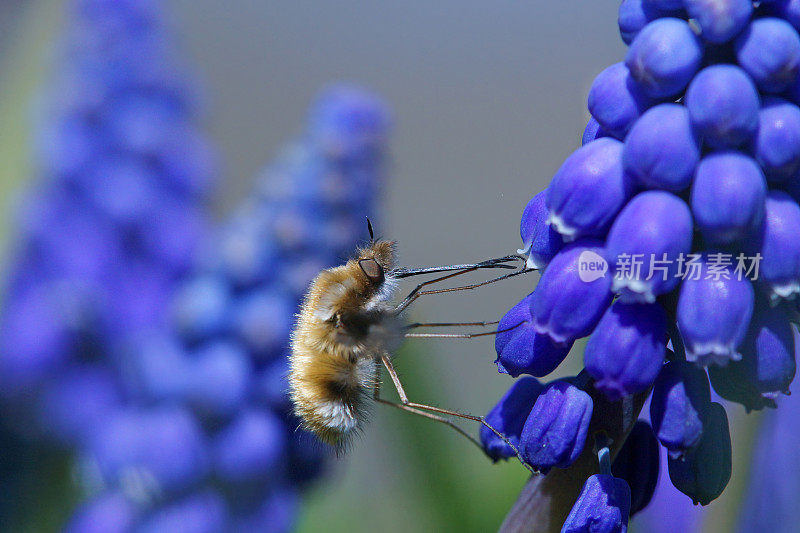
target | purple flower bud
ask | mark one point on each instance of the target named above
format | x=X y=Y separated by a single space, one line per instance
x=728 y=197
x=73 y=407
x=638 y=464
x=767 y=366
x=109 y=513
x=263 y=321
x=509 y=416
x=616 y=100
x=199 y=513
x=588 y=190
x=250 y=446
x=719 y=20
x=602 y=507
x=680 y=397
x=540 y=241
x=663 y=5
x=592 y=131
x=626 y=350
x=769 y=50
x=723 y=105
x=777 y=144
x=777 y=243
x=714 y=310
x=523 y=350
x=664 y=57
x=785 y=9
x=220 y=378
x=704 y=472
x=555 y=432
x=563 y=305
x=164 y=449
x=202 y=307
x=661 y=150
x=634 y=15
x=645 y=244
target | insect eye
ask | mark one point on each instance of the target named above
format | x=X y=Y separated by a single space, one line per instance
x=372 y=270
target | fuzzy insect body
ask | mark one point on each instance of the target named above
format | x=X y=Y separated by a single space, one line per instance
x=344 y=327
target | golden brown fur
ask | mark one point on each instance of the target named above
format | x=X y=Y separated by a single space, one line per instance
x=344 y=326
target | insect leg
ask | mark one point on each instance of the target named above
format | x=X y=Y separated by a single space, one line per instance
x=461 y=335
x=449 y=324
x=417 y=291
x=418 y=406
x=499 y=262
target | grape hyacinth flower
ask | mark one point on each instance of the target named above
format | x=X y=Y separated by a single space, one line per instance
x=540 y=241
x=523 y=350
x=638 y=464
x=226 y=344
x=111 y=226
x=603 y=506
x=588 y=190
x=714 y=309
x=509 y=416
x=700 y=243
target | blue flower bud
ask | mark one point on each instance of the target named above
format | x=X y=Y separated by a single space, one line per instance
x=777 y=242
x=664 y=57
x=563 y=305
x=664 y=5
x=204 y=512
x=777 y=144
x=704 y=472
x=555 y=432
x=250 y=446
x=592 y=131
x=162 y=449
x=72 y=407
x=645 y=244
x=767 y=366
x=509 y=416
x=661 y=150
x=723 y=105
x=202 y=307
x=728 y=196
x=263 y=321
x=680 y=397
x=540 y=241
x=785 y=9
x=719 y=20
x=634 y=15
x=588 y=190
x=602 y=507
x=220 y=378
x=109 y=513
x=638 y=464
x=769 y=50
x=616 y=100
x=523 y=350
x=626 y=350
x=714 y=310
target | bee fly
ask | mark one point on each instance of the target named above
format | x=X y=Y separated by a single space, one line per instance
x=347 y=328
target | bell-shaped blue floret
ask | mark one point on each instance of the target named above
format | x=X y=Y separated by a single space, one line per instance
x=719 y=20
x=714 y=310
x=646 y=244
x=703 y=473
x=680 y=397
x=573 y=293
x=602 y=507
x=555 y=431
x=588 y=191
x=776 y=146
x=523 y=350
x=540 y=241
x=616 y=100
x=769 y=50
x=509 y=416
x=626 y=351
